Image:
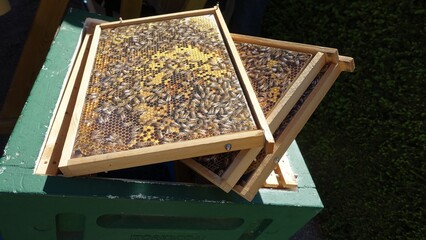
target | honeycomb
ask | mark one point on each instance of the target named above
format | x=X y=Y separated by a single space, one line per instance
x=271 y=72
x=160 y=82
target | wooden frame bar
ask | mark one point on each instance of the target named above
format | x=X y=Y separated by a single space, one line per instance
x=158 y=154
x=48 y=160
x=54 y=143
x=259 y=176
x=332 y=54
x=170 y=151
x=157 y=18
x=247 y=87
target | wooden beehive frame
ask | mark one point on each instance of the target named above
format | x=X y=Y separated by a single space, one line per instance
x=239 y=165
x=171 y=151
x=261 y=174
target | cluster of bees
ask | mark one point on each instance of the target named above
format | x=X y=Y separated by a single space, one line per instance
x=271 y=72
x=160 y=82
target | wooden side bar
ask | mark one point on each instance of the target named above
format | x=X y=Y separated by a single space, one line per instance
x=58 y=130
x=49 y=157
x=246 y=84
x=332 y=54
x=162 y=17
x=160 y=153
x=78 y=108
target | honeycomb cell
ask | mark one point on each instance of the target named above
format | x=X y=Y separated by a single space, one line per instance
x=160 y=82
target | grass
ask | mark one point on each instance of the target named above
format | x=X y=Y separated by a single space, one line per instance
x=365 y=145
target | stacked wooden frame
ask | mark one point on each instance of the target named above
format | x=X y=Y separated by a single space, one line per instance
x=291 y=111
x=286 y=129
